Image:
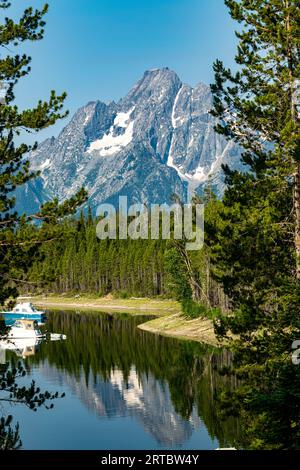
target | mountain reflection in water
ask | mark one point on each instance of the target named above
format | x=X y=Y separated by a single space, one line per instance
x=168 y=387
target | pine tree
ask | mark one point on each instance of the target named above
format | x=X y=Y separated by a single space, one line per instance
x=258 y=237
x=254 y=232
x=18 y=237
x=15 y=158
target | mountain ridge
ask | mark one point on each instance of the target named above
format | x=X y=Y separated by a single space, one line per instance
x=149 y=145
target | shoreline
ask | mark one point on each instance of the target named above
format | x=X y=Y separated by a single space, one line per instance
x=177 y=326
x=135 y=306
x=169 y=320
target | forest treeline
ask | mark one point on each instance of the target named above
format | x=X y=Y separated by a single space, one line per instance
x=80 y=262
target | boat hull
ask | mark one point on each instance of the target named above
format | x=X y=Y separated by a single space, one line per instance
x=12 y=316
x=25 y=335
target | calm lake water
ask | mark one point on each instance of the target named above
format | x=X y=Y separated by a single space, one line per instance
x=125 y=389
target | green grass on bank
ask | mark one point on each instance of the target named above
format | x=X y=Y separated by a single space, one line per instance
x=170 y=320
x=89 y=302
x=192 y=310
x=157 y=306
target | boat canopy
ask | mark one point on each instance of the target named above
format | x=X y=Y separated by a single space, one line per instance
x=24 y=308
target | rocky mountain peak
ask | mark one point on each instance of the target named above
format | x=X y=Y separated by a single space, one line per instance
x=148 y=146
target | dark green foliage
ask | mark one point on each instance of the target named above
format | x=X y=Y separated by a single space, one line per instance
x=16 y=253
x=83 y=263
x=254 y=234
x=190 y=271
x=178 y=276
x=18 y=237
x=195 y=310
x=267 y=401
x=9 y=437
x=125 y=268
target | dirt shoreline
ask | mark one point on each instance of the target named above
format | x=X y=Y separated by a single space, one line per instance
x=169 y=319
x=178 y=326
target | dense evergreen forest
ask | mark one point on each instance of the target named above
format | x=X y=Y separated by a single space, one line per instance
x=82 y=263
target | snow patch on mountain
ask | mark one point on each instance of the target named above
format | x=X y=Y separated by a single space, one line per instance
x=88 y=116
x=170 y=163
x=132 y=147
x=45 y=165
x=174 y=119
x=111 y=143
x=121 y=119
x=198 y=176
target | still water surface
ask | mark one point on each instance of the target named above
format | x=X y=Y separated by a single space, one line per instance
x=125 y=388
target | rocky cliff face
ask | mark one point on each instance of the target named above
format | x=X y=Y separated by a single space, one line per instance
x=148 y=146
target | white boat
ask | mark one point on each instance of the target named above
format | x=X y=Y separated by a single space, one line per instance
x=24 y=310
x=24 y=328
x=23 y=347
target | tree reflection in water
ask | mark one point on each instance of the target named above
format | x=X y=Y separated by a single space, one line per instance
x=116 y=369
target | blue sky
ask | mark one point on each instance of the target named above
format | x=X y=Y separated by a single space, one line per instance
x=98 y=49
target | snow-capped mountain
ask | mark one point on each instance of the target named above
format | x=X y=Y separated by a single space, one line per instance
x=148 y=146
x=141 y=397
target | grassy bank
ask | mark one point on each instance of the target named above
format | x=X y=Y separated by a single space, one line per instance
x=178 y=326
x=170 y=320
x=137 y=306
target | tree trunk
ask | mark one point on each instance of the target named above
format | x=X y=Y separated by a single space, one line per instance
x=297 y=217
x=195 y=283
x=295 y=118
x=196 y=290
